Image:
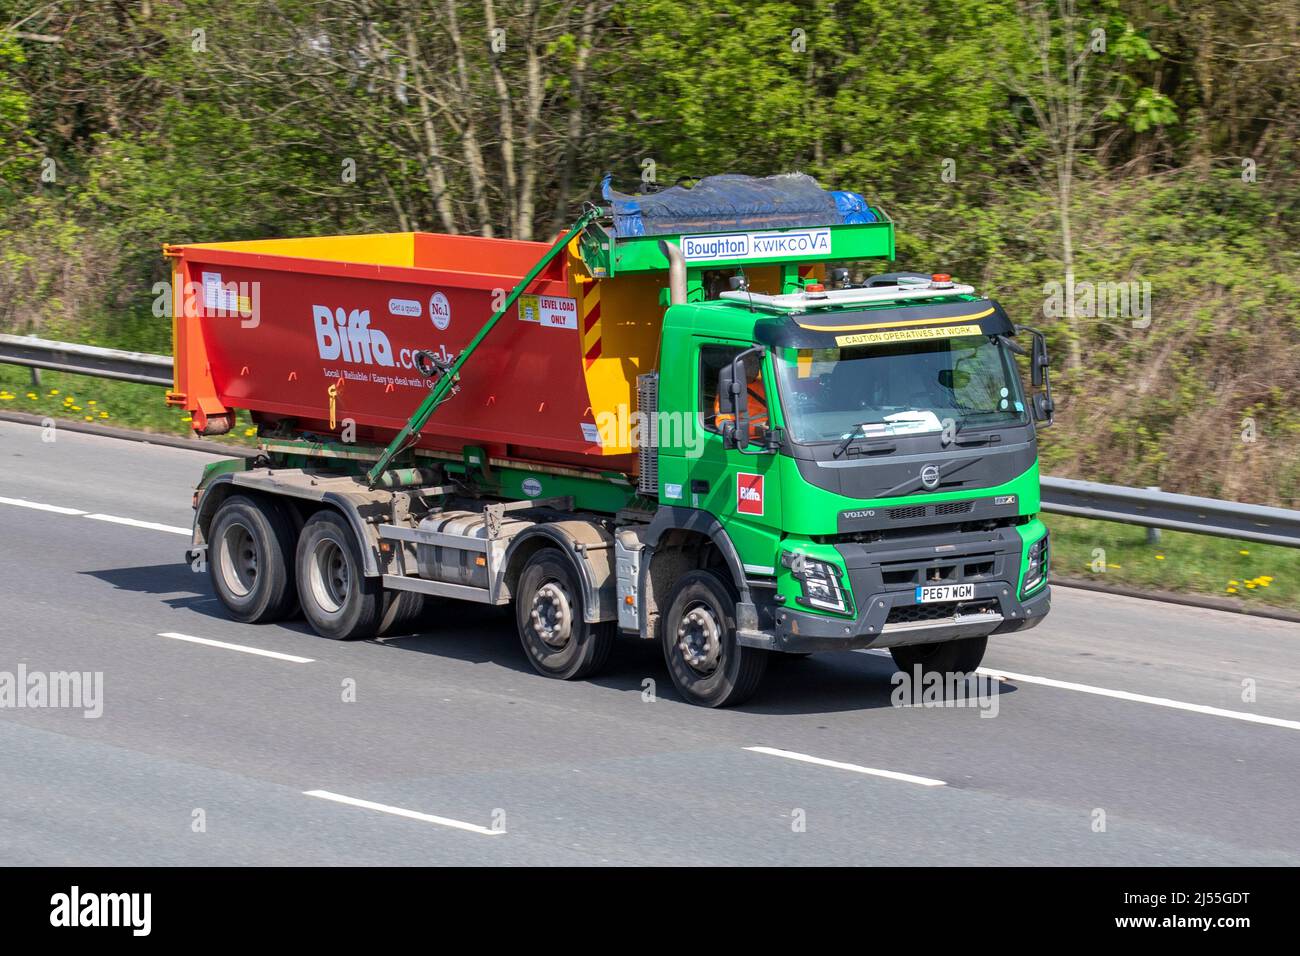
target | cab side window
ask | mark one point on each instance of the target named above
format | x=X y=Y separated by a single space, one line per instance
x=714 y=358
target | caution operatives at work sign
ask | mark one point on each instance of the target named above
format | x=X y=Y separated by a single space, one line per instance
x=906 y=335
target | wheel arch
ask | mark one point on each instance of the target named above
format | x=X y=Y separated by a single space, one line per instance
x=295 y=507
x=669 y=538
x=586 y=546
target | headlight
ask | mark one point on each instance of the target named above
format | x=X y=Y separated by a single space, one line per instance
x=820 y=581
x=1036 y=572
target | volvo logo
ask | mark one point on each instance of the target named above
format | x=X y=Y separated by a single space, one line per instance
x=930 y=477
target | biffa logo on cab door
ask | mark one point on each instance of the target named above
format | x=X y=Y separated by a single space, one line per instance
x=749 y=494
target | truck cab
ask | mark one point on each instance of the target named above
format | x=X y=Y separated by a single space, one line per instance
x=872 y=459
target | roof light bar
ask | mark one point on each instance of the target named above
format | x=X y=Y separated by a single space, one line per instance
x=826 y=298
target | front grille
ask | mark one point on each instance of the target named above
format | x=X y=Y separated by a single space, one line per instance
x=901 y=573
x=922 y=613
x=907 y=514
x=903 y=532
x=912 y=512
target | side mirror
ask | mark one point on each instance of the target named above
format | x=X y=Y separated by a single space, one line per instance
x=1039 y=362
x=733 y=402
x=1044 y=408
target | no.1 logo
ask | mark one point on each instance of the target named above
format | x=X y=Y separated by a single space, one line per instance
x=440 y=311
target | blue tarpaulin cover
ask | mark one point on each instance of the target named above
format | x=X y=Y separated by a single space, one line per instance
x=732 y=202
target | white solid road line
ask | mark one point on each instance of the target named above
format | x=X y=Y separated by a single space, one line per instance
x=132 y=522
x=1123 y=695
x=822 y=762
x=237 y=647
x=38 y=506
x=136 y=523
x=1141 y=698
x=400 y=812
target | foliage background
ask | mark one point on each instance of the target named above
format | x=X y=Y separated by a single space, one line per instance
x=206 y=120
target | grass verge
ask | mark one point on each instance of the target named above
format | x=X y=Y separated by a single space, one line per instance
x=62 y=395
x=1118 y=554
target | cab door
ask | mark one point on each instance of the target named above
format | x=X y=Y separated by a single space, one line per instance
x=740 y=489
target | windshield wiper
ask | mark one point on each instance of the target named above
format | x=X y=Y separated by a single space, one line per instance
x=984 y=439
x=853 y=436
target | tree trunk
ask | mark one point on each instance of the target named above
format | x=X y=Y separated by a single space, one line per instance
x=505 y=110
x=469 y=137
x=434 y=173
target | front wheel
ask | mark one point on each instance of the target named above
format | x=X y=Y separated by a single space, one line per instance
x=549 y=613
x=707 y=665
x=947 y=657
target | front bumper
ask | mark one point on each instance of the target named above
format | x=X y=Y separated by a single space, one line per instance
x=995 y=609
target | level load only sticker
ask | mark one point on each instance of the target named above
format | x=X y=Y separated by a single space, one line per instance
x=553 y=311
x=792 y=244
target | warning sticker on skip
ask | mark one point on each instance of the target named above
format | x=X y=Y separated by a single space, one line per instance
x=554 y=311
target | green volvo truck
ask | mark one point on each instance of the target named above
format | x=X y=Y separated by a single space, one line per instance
x=713 y=427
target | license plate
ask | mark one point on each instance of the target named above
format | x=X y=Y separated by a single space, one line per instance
x=944 y=592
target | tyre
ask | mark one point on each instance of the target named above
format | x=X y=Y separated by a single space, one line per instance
x=402 y=612
x=549 y=612
x=250 y=554
x=337 y=598
x=707 y=665
x=946 y=657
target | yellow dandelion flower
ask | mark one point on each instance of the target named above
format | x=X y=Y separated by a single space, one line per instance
x=1250 y=585
x=1243 y=552
x=1232 y=590
x=54 y=391
x=1160 y=557
x=76 y=408
x=187 y=419
x=1232 y=583
x=90 y=418
x=92 y=402
x=103 y=414
x=32 y=395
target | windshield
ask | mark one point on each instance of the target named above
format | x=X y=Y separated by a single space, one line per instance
x=904 y=388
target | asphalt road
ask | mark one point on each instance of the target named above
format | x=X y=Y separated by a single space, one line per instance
x=1117 y=711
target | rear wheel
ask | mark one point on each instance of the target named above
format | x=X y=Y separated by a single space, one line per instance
x=338 y=600
x=402 y=612
x=250 y=552
x=707 y=665
x=549 y=614
x=947 y=657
